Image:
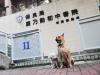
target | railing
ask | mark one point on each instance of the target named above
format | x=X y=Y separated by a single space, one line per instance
x=77 y=58
x=33 y=63
x=86 y=57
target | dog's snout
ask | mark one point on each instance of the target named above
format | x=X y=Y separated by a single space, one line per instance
x=59 y=41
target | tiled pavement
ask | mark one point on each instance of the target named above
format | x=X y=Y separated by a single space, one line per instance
x=82 y=69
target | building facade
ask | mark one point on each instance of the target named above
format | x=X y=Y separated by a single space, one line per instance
x=78 y=20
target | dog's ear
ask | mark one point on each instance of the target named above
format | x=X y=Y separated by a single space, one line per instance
x=62 y=35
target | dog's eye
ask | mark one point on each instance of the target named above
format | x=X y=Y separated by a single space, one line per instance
x=58 y=36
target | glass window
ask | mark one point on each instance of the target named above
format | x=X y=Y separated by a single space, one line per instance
x=20 y=5
x=9 y=50
x=2 y=11
x=40 y=2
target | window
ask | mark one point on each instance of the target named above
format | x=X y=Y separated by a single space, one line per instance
x=48 y=1
x=28 y=16
x=9 y=50
x=74 y=12
x=50 y=18
x=40 y=2
x=28 y=23
x=29 y=3
x=26 y=45
x=42 y=20
x=2 y=10
x=65 y=14
x=20 y=5
x=99 y=8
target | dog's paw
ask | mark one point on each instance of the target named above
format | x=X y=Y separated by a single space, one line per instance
x=70 y=66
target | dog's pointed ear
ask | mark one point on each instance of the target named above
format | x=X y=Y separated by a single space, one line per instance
x=63 y=34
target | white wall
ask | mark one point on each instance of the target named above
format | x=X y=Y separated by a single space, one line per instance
x=85 y=8
x=91 y=31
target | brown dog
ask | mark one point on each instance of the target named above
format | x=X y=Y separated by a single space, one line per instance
x=64 y=53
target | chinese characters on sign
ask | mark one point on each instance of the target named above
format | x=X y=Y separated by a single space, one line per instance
x=74 y=13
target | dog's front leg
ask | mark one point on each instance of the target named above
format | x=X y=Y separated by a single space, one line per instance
x=61 y=61
x=69 y=59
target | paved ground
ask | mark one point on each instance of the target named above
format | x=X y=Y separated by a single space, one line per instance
x=82 y=69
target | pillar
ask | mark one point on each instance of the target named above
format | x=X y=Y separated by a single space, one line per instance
x=8 y=7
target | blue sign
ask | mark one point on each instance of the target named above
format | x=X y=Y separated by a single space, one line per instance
x=26 y=45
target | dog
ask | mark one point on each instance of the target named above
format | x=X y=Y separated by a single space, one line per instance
x=64 y=53
x=54 y=60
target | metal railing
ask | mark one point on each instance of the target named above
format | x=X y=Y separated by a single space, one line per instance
x=77 y=58
x=86 y=57
x=33 y=63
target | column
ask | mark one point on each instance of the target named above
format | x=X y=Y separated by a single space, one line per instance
x=8 y=7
